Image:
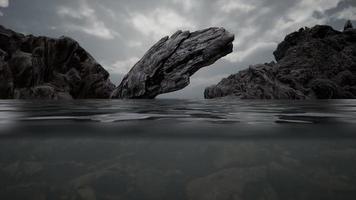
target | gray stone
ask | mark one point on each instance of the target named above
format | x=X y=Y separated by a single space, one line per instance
x=6 y=81
x=348 y=25
x=46 y=68
x=168 y=65
x=312 y=63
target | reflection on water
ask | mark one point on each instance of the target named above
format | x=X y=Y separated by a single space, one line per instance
x=248 y=112
x=177 y=149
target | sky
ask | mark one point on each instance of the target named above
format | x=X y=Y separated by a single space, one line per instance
x=117 y=33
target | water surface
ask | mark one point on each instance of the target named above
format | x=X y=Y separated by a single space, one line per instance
x=178 y=149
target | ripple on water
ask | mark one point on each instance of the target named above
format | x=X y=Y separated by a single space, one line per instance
x=231 y=111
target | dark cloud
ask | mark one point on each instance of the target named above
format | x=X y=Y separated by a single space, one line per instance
x=118 y=32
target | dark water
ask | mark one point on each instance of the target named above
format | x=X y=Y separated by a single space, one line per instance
x=178 y=149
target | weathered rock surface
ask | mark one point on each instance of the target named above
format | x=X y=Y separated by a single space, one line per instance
x=45 y=68
x=167 y=66
x=312 y=63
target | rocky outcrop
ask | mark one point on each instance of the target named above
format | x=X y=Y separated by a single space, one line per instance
x=46 y=68
x=348 y=25
x=312 y=63
x=168 y=65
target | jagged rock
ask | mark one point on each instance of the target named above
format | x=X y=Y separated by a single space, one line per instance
x=6 y=81
x=46 y=68
x=348 y=25
x=167 y=66
x=312 y=63
x=255 y=82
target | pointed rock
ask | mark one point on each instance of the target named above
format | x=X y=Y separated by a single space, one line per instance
x=168 y=65
x=348 y=25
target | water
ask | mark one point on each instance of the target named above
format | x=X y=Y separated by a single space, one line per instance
x=177 y=149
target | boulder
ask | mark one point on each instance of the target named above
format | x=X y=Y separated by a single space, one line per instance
x=168 y=65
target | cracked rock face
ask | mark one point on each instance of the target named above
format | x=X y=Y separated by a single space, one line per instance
x=312 y=63
x=168 y=65
x=45 y=68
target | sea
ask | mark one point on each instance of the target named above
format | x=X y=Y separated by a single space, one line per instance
x=174 y=149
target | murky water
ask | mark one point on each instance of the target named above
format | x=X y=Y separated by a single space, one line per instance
x=178 y=149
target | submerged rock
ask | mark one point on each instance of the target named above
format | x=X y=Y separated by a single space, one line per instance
x=312 y=63
x=168 y=65
x=46 y=68
x=232 y=184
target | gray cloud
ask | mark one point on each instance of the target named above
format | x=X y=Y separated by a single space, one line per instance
x=4 y=3
x=118 y=32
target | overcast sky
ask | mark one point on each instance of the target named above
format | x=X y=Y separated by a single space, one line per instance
x=118 y=32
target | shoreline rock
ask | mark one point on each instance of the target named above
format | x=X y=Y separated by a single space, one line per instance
x=46 y=68
x=312 y=63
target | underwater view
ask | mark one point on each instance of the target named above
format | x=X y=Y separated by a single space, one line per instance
x=177 y=149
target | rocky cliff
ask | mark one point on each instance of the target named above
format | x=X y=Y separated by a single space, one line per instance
x=312 y=63
x=168 y=65
x=46 y=68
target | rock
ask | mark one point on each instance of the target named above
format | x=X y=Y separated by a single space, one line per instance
x=231 y=184
x=46 y=68
x=255 y=82
x=6 y=80
x=348 y=25
x=86 y=193
x=324 y=88
x=312 y=63
x=244 y=155
x=168 y=65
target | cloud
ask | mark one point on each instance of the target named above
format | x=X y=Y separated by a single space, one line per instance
x=240 y=56
x=160 y=22
x=235 y=6
x=132 y=43
x=4 y=3
x=90 y=24
x=348 y=13
x=263 y=29
x=123 y=66
x=186 y=4
x=303 y=12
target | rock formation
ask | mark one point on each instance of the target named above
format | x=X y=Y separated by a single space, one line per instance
x=348 y=25
x=167 y=66
x=45 y=68
x=312 y=63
